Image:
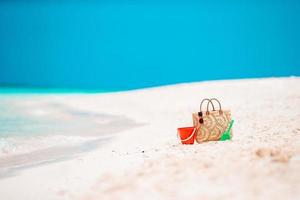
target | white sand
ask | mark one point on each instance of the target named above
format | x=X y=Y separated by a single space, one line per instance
x=147 y=162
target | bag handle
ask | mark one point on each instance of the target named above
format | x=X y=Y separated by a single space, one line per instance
x=220 y=107
x=209 y=102
x=200 y=114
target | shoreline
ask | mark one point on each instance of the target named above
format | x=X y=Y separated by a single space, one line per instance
x=35 y=122
x=20 y=90
x=16 y=163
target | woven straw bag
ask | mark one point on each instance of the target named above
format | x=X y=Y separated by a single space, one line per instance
x=210 y=125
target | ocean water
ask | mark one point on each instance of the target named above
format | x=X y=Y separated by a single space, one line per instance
x=120 y=45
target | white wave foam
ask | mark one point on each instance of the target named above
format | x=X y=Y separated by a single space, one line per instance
x=20 y=145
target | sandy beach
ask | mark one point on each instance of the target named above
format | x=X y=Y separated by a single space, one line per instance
x=123 y=145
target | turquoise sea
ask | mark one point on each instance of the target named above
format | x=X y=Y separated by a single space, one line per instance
x=121 y=45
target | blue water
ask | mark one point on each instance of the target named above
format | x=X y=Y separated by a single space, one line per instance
x=120 y=45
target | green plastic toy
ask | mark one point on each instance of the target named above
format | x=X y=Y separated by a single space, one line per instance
x=226 y=134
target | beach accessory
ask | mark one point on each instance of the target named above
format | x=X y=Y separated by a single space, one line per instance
x=186 y=135
x=226 y=135
x=210 y=125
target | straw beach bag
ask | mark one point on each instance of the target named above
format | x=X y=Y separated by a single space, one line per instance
x=210 y=125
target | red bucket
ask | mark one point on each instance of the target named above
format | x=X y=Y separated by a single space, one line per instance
x=187 y=135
